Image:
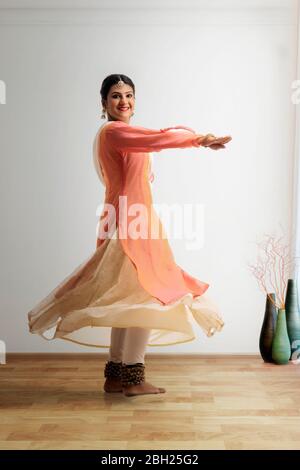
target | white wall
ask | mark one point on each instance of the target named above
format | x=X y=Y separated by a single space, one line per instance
x=217 y=66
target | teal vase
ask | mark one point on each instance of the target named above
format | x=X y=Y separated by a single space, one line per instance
x=281 y=348
x=268 y=329
x=292 y=315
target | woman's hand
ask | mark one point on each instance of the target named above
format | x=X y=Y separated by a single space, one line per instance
x=210 y=140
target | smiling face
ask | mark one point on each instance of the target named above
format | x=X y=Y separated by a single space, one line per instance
x=120 y=103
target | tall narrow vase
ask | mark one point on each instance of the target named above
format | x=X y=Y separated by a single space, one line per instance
x=281 y=348
x=268 y=329
x=292 y=315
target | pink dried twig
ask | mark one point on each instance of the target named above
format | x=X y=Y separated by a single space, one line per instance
x=273 y=267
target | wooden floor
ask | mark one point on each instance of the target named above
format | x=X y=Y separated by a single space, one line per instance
x=212 y=402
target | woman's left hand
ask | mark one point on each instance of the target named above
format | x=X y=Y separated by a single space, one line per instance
x=211 y=141
x=216 y=146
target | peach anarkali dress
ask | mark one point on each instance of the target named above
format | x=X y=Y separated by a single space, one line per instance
x=128 y=281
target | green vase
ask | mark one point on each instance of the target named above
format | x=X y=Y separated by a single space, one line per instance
x=292 y=315
x=281 y=348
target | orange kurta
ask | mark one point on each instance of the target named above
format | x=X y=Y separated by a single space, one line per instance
x=123 y=153
x=128 y=281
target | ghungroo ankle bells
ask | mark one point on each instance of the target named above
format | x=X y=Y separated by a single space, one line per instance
x=133 y=374
x=113 y=369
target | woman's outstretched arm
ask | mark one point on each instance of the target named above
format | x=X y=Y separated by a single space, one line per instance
x=125 y=137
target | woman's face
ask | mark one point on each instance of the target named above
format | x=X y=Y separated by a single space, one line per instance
x=120 y=103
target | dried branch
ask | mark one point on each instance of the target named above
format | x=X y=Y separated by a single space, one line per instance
x=273 y=268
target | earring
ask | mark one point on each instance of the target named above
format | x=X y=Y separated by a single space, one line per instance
x=103 y=114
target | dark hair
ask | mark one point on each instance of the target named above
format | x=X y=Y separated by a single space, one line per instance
x=111 y=80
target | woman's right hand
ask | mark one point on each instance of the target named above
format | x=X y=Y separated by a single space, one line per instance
x=210 y=140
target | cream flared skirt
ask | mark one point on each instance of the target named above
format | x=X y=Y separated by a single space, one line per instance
x=104 y=292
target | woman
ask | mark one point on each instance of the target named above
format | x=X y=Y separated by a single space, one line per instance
x=131 y=286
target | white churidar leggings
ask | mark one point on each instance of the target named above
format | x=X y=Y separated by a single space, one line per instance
x=128 y=345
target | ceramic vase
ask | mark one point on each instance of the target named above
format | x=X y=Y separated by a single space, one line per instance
x=292 y=315
x=281 y=348
x=268 y=329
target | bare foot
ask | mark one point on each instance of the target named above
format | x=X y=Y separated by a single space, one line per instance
x=112 y=385
x=144 y=388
